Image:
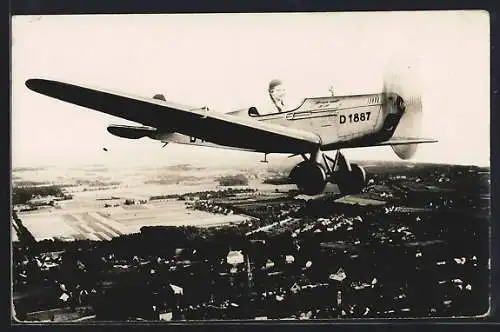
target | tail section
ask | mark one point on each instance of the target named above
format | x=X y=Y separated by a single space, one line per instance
x=135 y=132
x=132 y=132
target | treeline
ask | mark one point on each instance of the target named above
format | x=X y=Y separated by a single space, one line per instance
x=277 y=180
x=21 y=195
x=211 y=242
x=233 y=180
x=169 y=196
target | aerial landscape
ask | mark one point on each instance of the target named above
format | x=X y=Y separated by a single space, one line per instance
x=171 y=243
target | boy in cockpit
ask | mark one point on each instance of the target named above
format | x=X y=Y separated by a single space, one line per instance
x=277 y=93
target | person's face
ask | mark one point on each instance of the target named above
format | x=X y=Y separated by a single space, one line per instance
x=278 y=92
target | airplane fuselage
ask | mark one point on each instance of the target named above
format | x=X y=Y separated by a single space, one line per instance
x=336 y=120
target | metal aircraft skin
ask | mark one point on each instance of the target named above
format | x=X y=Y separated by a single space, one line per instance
x=319 y=124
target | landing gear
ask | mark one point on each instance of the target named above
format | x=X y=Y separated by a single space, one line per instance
x=312 y=174
x=352 y=182
x=350 y=178
x=309 y=176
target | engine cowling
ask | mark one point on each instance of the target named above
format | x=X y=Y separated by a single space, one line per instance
x=310 y=177
x=353 y=181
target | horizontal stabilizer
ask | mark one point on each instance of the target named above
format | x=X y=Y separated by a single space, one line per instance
x=131 y=132
x=405 y=148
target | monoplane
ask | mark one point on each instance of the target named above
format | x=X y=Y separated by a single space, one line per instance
x=391 y=117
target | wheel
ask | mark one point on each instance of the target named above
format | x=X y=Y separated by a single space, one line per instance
x=352 y=182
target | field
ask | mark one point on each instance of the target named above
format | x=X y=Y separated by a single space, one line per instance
x=92 y=187
x=99 y=223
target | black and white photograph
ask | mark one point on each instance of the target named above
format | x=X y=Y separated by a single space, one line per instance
x=250 y=167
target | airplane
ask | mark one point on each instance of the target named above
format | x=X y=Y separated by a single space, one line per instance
x=318 y=125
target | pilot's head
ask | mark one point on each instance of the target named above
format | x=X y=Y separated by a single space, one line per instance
x=277 y=93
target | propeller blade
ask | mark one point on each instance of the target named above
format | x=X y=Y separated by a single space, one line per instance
x=403 y=76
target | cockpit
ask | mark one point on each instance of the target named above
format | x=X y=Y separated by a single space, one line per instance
x=277 y=93
x=280 y=101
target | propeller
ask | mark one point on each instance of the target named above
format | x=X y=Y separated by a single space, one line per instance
x=403 y=76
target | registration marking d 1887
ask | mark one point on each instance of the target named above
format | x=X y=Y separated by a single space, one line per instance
x=354 y=117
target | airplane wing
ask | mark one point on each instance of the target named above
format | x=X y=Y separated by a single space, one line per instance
x=368 y=141
x=219 y=128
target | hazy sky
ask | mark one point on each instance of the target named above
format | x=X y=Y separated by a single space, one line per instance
x=225 y=61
